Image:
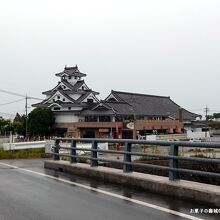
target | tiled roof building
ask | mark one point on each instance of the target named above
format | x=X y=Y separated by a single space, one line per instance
x=79 y=112
x=142 y=106
x=69 y=97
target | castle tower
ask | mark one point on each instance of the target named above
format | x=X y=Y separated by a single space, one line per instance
x=68 y=98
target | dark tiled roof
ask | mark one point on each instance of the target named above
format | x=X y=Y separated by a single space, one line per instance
x=63 y=104
x=148 y=105
x=39 y=105
x=50 y=92
x=196 y=124
x=74 y=88
x=71 y=71
x=89 y=112
x=78 y=84
x=120 y=108
x=63 y=93
x=88 y=92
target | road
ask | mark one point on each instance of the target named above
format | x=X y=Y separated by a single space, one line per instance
x=28 y=191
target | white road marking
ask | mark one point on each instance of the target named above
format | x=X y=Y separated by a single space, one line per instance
x=149 y=205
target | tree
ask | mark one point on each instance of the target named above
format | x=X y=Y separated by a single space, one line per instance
x=5 y=126
x=19 y=124
x=209 y=117
x=216 y=115
x=17 y=117
x=131 y=117
x=41 y=121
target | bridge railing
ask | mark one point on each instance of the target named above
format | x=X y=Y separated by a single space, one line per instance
x=128 y=164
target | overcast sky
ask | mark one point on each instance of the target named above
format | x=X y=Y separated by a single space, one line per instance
x=160 y=47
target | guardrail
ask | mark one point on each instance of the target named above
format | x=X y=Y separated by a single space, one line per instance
x=127 y=163
x=24 y=145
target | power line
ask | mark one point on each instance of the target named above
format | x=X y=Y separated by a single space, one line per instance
x=11 y=93
x=17 y=94
x=7 y=103
x=26 y=106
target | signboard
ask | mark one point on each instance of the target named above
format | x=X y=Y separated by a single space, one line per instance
x=103 y=130
x=130 y=125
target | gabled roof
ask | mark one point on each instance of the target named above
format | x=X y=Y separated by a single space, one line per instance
x=147 y=105
x=101 y=105
x=50 y=92
x=72 y=88
x=63 y=94
x=78 y=84
x=83 y=97
x=120 y=108
x=71 y=71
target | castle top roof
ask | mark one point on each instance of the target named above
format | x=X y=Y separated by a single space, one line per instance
x=71 y=71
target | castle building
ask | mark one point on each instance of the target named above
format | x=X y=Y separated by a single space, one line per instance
x=78 y=112
x=68 y=98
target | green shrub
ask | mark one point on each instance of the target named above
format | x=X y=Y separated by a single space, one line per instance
x=23 y=154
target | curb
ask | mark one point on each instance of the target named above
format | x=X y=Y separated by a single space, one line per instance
x=187 y=190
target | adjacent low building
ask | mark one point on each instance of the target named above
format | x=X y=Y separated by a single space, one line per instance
x=80 y=113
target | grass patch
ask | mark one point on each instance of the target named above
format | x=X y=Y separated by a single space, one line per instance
x=24 y=154
x=206 y=150
x=81 y=160
x=199 y=156
x=145 y=158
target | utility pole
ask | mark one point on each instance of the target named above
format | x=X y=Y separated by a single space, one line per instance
x=206 y=119
x=26 y=117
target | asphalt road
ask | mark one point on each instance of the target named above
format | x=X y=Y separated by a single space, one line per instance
x=27 y=191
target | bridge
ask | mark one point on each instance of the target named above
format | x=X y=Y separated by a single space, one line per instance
x=29 y=191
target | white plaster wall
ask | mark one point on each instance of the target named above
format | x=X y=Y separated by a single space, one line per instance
x=110 y=96
x=151 y=137
x=75 y=96
x=64 y=87
x=55 y=96
x=72 y=81
x=66 y=118
x=84 y=86
x=197 y=134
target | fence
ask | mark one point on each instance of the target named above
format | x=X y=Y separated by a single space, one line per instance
x=24 y=145
x=127 y=163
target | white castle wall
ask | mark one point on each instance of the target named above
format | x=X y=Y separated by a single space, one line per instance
x=66 y=118
x=75 y=96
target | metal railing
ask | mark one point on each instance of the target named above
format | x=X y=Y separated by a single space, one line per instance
x=173 y=168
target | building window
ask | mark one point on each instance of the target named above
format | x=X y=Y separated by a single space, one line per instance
x=69 y=108
x=56 y=108
x=91 y=119
x=90 y=101
x=54 y=100
x=104 y=118
x=120 y=118
x=75 y=77
x=70 y=77
x=112 y=100
x=64 y=99
x=58 y=97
